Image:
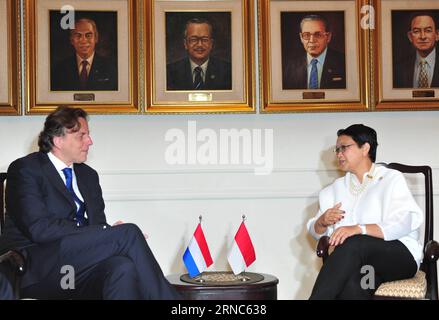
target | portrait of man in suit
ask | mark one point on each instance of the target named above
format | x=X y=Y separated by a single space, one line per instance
x=418 y=66
x=199 y=69
x=317 y=66
x=84 y=68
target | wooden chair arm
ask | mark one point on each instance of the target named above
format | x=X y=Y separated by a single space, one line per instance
x=431 y=253
x=323 y=248
x=16 y=260
x=13 y=263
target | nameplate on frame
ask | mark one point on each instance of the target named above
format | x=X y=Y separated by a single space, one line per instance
x=313 y=95
x=200 y=97
x=423 y=94
x=84 y=97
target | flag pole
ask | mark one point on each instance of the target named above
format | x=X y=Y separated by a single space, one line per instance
x=200 y=276
x=244 y=277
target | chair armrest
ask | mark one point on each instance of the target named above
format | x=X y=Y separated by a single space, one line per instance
x=14 y=264
x=323 y=247
x=16 y=260
x=431 y=252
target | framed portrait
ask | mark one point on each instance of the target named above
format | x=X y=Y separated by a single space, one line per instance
x=82 y=54
x=406 y=46
x=10 y=71
x=199 y=56
x=312 y=56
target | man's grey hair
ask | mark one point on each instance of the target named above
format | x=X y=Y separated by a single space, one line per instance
x=315 y=17
x=93 y=24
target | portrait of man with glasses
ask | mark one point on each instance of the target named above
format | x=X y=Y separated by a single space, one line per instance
x=318 y=66
x=419 y=65
x=199 y=69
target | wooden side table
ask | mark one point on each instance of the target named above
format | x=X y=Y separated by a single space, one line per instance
x=265 y=289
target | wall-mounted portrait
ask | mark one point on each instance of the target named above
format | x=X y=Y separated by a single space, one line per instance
x=84 y=53
x=313 y=50
x=10 y=67
x=406 y=44
x=84 y=58
x=198 y=51
x=415 y=34
x=199 y=56
x=313 y=56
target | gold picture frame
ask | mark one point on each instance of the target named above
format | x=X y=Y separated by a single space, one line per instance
x=232 y=22
x=49 y=49
x=280 y=45
x=10 y=66
x=394 y=86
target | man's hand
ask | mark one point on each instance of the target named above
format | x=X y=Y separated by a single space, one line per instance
x=118 y=222
x=342 y=233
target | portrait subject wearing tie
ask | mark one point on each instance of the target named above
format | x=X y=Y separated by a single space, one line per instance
x=85 y=70
x=420 y=68
x=319 y=67
x=55 y=218
x=199 y=70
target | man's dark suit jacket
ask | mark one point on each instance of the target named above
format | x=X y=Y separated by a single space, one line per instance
x=102 y=75
x=218 y=75
x=404 y=69
x=295 y=74
x=40 y=211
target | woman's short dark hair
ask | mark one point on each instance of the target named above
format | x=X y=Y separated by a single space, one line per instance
x=362 y=134
x=62 y=119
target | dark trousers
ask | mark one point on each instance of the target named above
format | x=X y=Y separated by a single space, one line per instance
x=6 y=292
x=341 y=276
x=111 y=263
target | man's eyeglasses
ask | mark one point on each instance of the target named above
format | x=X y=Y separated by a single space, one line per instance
x=195 y=40
x=342 y=148
x=316 y=35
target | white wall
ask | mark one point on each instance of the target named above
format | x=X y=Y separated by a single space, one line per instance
x=166 y=200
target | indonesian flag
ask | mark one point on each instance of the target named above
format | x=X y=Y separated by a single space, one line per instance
x=197 y=256
x=242 y=254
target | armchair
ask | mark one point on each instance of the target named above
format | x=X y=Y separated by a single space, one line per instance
x=12 y=263
x=424 y=284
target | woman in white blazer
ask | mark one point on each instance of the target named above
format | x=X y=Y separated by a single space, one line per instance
x=371 y=218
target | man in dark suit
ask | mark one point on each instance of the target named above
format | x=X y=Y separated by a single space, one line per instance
x=55 y=218
x=419 y=69
x=86 y=70
x=320 y=67
x=200 y=70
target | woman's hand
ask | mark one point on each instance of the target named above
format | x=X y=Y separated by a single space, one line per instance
x=331 y=216
x=342 y=233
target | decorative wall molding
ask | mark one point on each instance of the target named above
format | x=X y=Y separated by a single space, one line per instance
x=223 y=184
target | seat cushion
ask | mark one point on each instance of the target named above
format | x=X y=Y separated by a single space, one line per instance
x=413 y=288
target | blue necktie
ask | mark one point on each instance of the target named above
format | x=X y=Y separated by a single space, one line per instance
x=198 y=80
x=80 y=218
x=313 y=77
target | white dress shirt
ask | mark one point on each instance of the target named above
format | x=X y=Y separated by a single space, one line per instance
x=59 y=166
x=429 y=67
x=320 y=62
x=203 y=69
x=79 y=63
x=386 y=201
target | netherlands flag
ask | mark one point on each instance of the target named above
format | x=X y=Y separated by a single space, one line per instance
x=197 y=255
x=242 y=253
